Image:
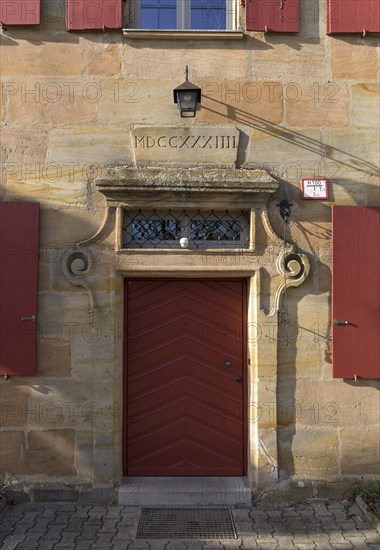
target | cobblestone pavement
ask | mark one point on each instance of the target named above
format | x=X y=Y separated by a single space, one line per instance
x=314 y=525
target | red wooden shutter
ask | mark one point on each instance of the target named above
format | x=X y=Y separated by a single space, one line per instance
x=93 y=14
x=18 y=287
x=356 y=292
x=272 y=15
x=345 y=16
x=20 y=12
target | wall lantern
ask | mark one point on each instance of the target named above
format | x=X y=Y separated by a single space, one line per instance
x=187 y=95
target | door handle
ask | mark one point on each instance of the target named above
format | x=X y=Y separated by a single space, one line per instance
x=239 y=379
x=339 y=322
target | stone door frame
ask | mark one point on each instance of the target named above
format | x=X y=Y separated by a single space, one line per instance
x=267 y=259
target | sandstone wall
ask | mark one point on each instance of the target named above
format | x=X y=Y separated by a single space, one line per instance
x=307 y=104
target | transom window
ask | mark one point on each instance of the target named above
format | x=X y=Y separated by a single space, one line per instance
x=184 y=14
x=202 y=229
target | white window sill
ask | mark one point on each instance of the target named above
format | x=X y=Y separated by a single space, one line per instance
x=183 y=34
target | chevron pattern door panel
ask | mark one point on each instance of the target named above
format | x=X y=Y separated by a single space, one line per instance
x=185 y=357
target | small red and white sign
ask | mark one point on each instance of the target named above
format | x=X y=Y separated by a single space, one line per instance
x=315 y=188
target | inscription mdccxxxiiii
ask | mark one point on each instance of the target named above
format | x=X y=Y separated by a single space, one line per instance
x=185 y=142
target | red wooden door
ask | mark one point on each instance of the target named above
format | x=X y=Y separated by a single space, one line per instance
x=185 y=377
x=356 y=292
x=18 y=287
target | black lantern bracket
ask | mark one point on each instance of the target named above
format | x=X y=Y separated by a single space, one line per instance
x=188 y=96
x=285 y=209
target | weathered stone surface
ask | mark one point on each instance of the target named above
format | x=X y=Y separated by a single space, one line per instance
x=365 y=105
x=331 y=404
x=58 y=329
x=274 y=56
x=252 y=102
x=298 y=365
x=350 y=193
x=264 y=411
x=206 y=188
x=44 y=57
x=265 y=455
x=317 y=220
x=354 y=59
x=297 y=152
x=361 y=451
x=313 y=318
x=318 y=105
x=263 y=337
x=63 y=226
x=85 y=452
x=51 y=452
x=2 y=105
x=44 y=273
x=137 y=101
x=54 y=359
x=222 y=61
x=21 y=150
x=373 y=191
x=56 y=101
x=70 y=403
x=304 y=326
x=13 y=404
x=80 y=147
x=12 y=452
x=102 y=59
x=351 y=155
x=89 y=362
x=307 y=106
x=103 y=457
x=49 y=183
x=310 y=453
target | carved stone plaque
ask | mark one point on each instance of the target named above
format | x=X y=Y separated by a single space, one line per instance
x=185 y=145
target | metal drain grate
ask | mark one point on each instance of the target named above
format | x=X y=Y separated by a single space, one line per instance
x=186 y=523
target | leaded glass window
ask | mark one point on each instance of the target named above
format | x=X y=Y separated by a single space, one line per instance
x=203 y=229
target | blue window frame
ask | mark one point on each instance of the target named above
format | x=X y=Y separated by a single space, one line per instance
x=187 y=14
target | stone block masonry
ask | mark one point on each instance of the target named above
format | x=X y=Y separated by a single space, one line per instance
x=75 y=106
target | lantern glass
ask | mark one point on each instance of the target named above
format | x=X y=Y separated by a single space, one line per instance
x=188 y=96
x=187 y=102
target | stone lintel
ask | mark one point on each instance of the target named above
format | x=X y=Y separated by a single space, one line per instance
x=131 y=185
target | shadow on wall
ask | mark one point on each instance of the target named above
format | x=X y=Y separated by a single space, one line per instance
x=325 y=150
x=315 y=414
x=309 y=225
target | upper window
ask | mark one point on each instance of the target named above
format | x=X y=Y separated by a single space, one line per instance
x=201 y=229
x=215 y=15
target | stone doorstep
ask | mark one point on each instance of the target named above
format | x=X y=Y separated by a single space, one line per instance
x=184 y=491
x=372 y=518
